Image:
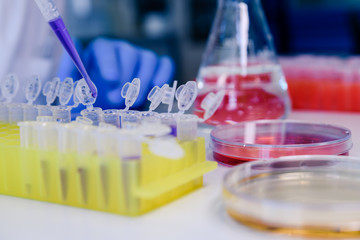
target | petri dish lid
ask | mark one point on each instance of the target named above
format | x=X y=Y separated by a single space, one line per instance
x=261 y=139
x=311 y=195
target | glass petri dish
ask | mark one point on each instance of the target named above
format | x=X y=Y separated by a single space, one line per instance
x=263 y=139
x=308 y=196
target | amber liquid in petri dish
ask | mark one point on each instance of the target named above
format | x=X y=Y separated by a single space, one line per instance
x=316 y=194
x=247 y=97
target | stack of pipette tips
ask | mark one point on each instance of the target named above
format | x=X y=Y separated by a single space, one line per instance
x=121 y=161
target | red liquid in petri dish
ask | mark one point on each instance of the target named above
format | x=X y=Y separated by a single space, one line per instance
x=247 y=97
x=273 y=140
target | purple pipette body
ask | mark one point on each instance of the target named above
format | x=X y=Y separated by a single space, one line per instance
x=63 y=35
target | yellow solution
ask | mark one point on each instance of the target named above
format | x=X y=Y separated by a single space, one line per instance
x=313 y=204
x=109 y=184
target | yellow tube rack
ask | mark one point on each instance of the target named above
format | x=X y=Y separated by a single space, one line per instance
x=126 y=187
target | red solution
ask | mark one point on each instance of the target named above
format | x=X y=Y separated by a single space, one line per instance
x=253 y=153
x=245 y=97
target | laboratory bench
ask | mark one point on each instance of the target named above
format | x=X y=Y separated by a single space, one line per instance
x=198 y=215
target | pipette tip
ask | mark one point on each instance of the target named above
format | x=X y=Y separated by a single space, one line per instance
x=92 y=87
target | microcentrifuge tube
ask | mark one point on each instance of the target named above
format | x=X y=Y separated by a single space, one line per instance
x=130 y=119
x=62 y=113
x=111 y=116
x=94 y=114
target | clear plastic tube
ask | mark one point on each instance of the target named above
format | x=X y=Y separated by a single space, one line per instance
x=111 y=116
x=62 y=114
x=94 y=114
x=130 y=119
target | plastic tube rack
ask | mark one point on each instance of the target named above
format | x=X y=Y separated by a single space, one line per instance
x=94 y=181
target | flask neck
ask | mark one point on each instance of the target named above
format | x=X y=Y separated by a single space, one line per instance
x=248 y=2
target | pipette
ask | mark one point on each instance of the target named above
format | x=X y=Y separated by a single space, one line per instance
x=52 y=16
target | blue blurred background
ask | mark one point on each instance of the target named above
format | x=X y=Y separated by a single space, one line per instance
x=180 y=28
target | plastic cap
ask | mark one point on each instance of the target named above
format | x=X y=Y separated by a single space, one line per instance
x=10 y=86
x=155 y=96
x=51 y=90
x=169 y=94
x=75 y=99
x=66 y=91
x=130 y=92
x=83 y=93
x=32 y=89
x=211 y=103
x=186 y=95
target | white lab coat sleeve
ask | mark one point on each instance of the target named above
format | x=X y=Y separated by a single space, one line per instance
x=28 y=44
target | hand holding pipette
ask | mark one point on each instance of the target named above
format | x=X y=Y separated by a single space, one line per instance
x=52 y=16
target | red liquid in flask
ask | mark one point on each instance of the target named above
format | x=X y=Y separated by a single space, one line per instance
x=256 y=95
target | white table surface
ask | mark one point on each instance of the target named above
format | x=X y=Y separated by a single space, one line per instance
x=199 y=215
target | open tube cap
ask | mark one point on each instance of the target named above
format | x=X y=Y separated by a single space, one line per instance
x=155 y=96
x=83 y=93
x=211 y=103
x=51 y=90
x=130 y=92
x=66 y=91
x=10 y=86
x=186 y=95
x=32 y=89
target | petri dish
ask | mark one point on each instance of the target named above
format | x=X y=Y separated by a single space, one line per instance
x=263 y=139
x=309 y=196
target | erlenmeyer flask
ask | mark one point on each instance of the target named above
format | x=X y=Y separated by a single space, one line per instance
x=240 y=58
